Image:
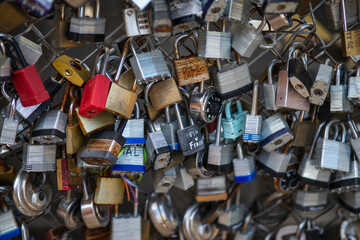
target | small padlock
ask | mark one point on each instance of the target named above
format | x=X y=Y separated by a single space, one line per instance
x=350 y=44
x=247 y=231
x=280 y=6
x=185 y=15
x=333 y=14
x=169 y=129
x=211 y=189
x=39 y=158
x=151 y=112
x=238 y=10
x=195 y=165
x=8 y=225
x=39 y=8
x=136 y=22
x=269 y=88
x=85 y=29
x=350 y=201
x=9 y=126
x=304 y=130
x=12 y=16
x=5 y=64
x=244 y=166
x=213 y=44
x=161 y=24
x=164 y=94
x=163 y=181
x=320 y=88
x=109 y=190
x=338 y=92
x=68 y=211
x=134 y=129
x=233 y=124
x=183 y=180
x=275 y=132
x=74 y=136
x=347 y=181
x=157 y=148
x=310 y=199
x=131 y=161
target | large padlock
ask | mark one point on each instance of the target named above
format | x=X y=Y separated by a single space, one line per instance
x=9 y=126
x=39 y=158
x=163 y=181
x=238 y=10
x=233 y=124
x=269 y=88
x=169 y=129
x=214 y=44
x=190 y=69
x=161 y=24
x=353 y=93
x=74 y=136
x=5 y=64
x=183 y=180
x=275 y=132
x=12 y=15
x=164 y=94
x=349 y=40
x=310 y=199
x=136 y=22
x=8 y=225
x=320 y=88
x=185 y=15
x=38 y=8
x=211 y=189
x=95 y=93
x=68 y=211
x=338 y=92
x=347 y=181
x=109 y=190
x=350 y=200
x=131 y=161
x=195 y=165
x=332 y=154
x=244 y=166
x=304 y=130
x=85 y=29
x=104 y=147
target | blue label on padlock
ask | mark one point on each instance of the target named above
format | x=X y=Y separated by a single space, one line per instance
x=251 y=137
x=128 y=168
x=247 y=178
x=135 y=141
x=11 y=234
x=177 y=147
x=273 y=136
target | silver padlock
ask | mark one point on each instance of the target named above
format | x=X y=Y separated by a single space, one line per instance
x=169 y=129
x=211 y=189
x=9 y=126
x=31 y=51
x=68 y=210
x=5 y=64
x=131 y=161
x=275 y=163
x=350 y=201
x=184 y=180
x=275 y=132
x=163 y=180
x=39 y=158
x=161 y=24
x=270 y=88
x=8 y=225
x=244 y=166
x=195 y=165
x=354 y=87
x=320 y=88
x=141 y=4
x=136 y=22
x=134 y=131
x=347 y=181
x=212 y=10
x=332 y=154
x=338 y=92
x=310 y=200
x=185 y=15
x=238 y=10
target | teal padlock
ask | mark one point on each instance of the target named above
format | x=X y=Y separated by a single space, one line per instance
x=234 y=123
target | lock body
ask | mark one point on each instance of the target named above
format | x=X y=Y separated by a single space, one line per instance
x=310 y=174
x=158 y=150
x=338 y=99
x=299 y=78
x=8 y=226
x=109 y=190
x=270 y=96
x=12 y=16
x=219 y=157
x=351 y=201
x=9 y=127
x=183 y=179
x=100 y=121
x=320 y=87
x=130 y=162
x=190 y=140
x=274 y=163
x=234 y=123
x=131 y=227
x=50 y=128
x=354 y=90
x=134 y=132
x=190 y=70
x=244 y=169
x=310 y=201
x=185 y=15
x=161 y=21
x=136 y=22
x=214 y=44
x=123 y=107
x=163 y=180
x=253 y=128
x=164 y=94
x=210 y=189
x=87 y=29
x=303 y=133
x=39 y=158
x=238 y=10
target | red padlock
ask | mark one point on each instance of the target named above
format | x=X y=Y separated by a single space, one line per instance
x=96 y=90
x=26 y=80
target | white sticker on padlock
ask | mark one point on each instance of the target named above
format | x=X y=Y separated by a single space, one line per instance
x=132 y=155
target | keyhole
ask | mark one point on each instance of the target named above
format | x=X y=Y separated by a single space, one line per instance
x=41 y=196
x=68 y=72
x=318 y=92
x=281 y=7
x=166 y=184
x=299 y=86
x=278 y=142
x=91 y=112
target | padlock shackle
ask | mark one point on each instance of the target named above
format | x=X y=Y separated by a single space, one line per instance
x=19 y=54
x=270 y=70
x=343 y=135
x=146 y=93
x=239 y=150
x=4 y=93
x=121 y=127
x=3 y=48
x=341 y=67
x=81 y=12
x=218 y=129
x=72 y=109
x=327 y=128
x=327 y=62
x=12 y=108
x=295 y=46
x=167 y=114
x=85 y=189
x=104 y=61
x=358 y=69
x=137 y=110
x=246 y=222
x=180 y=39
x=97 y=9
x=343 y=11
x=65 y=96
x=24 y=230
x=313 y=144
x=178 y=116
x=122 y=60
x=255 y=96
x=353 y=127
x=150 y=125
x=62 y=11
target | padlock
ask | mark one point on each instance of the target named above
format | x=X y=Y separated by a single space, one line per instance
x=245 y=38
x=95 y=93
x=244 y=166
x=39 y=8
x=134 y=129
x=355 y=141
x=350 y=201
x=320 y=88
x=109 y=190
x=183 y=180
x=310 y=199
x=12 y=15
x=9 y=126
x=304 y=130
x=157 y=148
x=190 y=69
x=185 y=15
x=31 y=50
x=353 y=93
x=161 y=24
x=8 y=225
x=39 y=158
x=333 y=14
x=211 y=189
x=136 y=22
x=5 y=64
x=338 y=92
x=190 y=138
x=74 y=136
x=131 y=222
x=164 y=94
x=148 y=66
x=269 y=88
x=233 y=79
x=31 y=197
x=232 y=215
x=247 y=231
x=85 y=29
x=27 y=81
x=141 y=4
x=163 y=214
x=275 y=132
x=62 y=26
x=125 y=106
x=68 y=211
x=131 y=161
x=163 y=181
x=71 y=70
x=104 y=147
x=76 y=3
x=331 y=154
x=289 y=183
x=275 y=163
x=349 y=41
x=238 y=10
x=347 y=181
x=253 y=122
x=81 y=164
x=213 y=10
x=220 y=154
x=69 y=176
x=213 y=44
x=151 y=112
x=50 y=127
x=195 y=165
x=280 y=6
x=307 y=172
x=233 y=124
x=299 y=77
x=169 y=129
x=94 y=215
x=279 y=22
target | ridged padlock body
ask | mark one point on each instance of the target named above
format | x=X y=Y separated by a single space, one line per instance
x=158 y=150
x=220 y=157
x=214 y=44
x=9 y=127
x=355 y=145
x=245 y=39
x=320 y=87
x=303 y=133
x=270 y=96
x=94 y=96
x=233 y=124
x=247 y=235
x=120 y=101
x=39 y=158
x=252 y=129
x=190 y=70
x=126 y=227
x=8 y=226
x=163 y=180
x=300 y=79
x=278 y=22
x=210 y=186
x=31 y=51
x=134 y=132
x=185 y=15
x=350 y=201
x=70 y=69
x=333 y=155
x=109 y=190
x=87 y=29
x=233 y=80
x=274 y=163
x=351 y=11
x=338 y=99
x=183 y=180
x=61 y=39
x=68 y=175
x=310 y=201
x=136 y=22
x=309 y=174
x=190 y=140
x=130 y=162
x=149 y=67
x=161 y=21
x=50 y=127
x=231 y=217
x=354 y=90
x=244 y=169
x=238 y=10
x=100 y=121
x=275 y=132
x=333 y=15
x=170 y=133
x=29 y=86
x=103 y=148
x=164 y=94
x=350 y=181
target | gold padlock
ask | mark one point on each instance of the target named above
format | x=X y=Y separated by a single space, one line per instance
x=350 y=39
x=164 y=94
x=127 y=81
x=152 y=113
x=74 y=135
x=11 y=16
x=109 y=190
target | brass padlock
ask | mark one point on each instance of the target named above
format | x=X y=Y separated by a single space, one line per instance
x=164 y=94
x=74 y=136
x=109 y=190
x=152 y=113
x=350 y=39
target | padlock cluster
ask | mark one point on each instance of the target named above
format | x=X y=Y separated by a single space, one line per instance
x=195 y=102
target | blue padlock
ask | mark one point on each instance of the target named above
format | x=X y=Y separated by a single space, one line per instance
x=234 y=123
